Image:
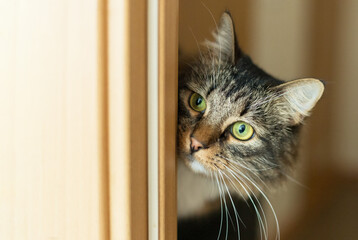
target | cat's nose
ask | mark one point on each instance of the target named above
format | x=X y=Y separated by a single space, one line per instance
x=195 y=145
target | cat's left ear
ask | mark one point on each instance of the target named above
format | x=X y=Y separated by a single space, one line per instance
x=298 y=97
x=225 y=46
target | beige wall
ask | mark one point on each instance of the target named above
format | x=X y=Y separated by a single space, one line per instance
x=345 y=107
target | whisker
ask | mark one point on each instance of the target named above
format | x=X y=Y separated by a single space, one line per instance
x=294 y=180
x=234 y=166
x=268 y=201
x=217 y=37
x=248 y=168
x=260 y=208
x=262 y=226
x=197 y=43
x=221 y=207
x=226 y=210
x=234 y=208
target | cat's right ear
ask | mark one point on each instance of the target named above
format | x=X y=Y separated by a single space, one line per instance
x=297 y=98
x=225 y=46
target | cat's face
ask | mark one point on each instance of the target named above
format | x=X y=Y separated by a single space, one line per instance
x=236 y=119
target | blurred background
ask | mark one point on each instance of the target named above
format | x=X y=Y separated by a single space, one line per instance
x=295 y=39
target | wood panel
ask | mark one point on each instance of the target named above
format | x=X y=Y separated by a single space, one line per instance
x=50 y=150
x=153 y=126
x=103 y=115
x=73 y=120
x=168 y=64
x=127 y=92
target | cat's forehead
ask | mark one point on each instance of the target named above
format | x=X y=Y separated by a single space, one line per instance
x=224 y=100
x=223 y=87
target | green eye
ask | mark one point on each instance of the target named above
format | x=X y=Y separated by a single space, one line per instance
x=197 y=102
x=242 y=131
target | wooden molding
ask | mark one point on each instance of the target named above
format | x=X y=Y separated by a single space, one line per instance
x=127 y=88
x=168 y=72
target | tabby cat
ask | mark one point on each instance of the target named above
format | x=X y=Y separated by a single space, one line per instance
x=237 y=135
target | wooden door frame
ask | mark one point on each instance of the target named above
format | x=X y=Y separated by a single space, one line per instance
x=127 y=118
x=127 y=86
x=168 y=91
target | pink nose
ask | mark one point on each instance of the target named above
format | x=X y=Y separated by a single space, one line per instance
x=195 y=145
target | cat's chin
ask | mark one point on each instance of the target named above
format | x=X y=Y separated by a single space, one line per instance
x=195 y=163
x=195 y=166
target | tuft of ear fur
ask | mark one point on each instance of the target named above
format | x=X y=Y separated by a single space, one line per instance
x=298 y=97
x=224 y=46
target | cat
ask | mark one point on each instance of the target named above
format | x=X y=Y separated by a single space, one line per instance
x=238 y=130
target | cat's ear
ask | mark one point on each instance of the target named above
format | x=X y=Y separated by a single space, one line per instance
x=298 y=97
x=225 y=46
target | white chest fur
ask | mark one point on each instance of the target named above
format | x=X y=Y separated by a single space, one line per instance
x=194 y=191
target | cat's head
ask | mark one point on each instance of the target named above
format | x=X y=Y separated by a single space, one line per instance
x=235 y=117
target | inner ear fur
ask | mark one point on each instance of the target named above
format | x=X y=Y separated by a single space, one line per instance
x=298 y=97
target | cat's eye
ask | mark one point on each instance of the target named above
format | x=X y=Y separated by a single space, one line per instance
x=197 y=102
x=242 y=131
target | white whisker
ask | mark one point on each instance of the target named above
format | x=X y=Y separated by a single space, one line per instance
x=221 y=207
x=235 y=164
x=233 y=205
x=217 y=35
x=226 y=210
x=268 y=201
x=263 y=227
x=294 y=180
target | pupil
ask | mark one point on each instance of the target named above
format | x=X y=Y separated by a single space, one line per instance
x=198 y=101
x=242 y=128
